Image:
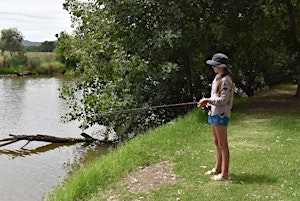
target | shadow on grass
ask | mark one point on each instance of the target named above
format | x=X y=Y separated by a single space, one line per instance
x=251 y=179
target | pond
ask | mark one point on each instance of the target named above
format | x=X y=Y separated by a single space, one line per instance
x=30 y=106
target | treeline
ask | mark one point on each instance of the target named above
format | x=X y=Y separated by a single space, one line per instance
x=139 y=53
x=46 y=46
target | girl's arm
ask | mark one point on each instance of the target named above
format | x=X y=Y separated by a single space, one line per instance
x=202 y=102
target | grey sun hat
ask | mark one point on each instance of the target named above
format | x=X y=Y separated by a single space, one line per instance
x=220 y=60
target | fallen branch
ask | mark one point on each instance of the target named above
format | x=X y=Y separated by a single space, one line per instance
x=47 y=138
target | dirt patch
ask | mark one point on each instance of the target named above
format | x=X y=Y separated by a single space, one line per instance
x=273 y=100
x=151 y=177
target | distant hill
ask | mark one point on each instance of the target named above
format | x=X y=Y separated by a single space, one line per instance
x=29 y=43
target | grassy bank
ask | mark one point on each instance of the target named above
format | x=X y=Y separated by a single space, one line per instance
x=33 y=63
x=264 y=137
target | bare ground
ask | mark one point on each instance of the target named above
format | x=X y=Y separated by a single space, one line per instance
x=273 y=100
x=147 y=178
x=151 y=177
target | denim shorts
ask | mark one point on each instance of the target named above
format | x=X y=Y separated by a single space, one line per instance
x=218 y=120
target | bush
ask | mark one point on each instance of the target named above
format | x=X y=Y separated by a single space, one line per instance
x=51 y=67
x=34 y=63
x=16 y=60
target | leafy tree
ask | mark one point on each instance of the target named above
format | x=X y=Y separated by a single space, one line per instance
x=33 y=48
x=64 y=50
x=134 y=59
x=11 y=41
x=256 y=37
x=139 y=53
x=47 y=46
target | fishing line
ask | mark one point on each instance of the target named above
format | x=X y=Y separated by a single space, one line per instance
x=152 y=107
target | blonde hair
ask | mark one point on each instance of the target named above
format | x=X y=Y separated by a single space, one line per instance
x=219 y=80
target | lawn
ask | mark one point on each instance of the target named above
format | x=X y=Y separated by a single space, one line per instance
x=168 y=163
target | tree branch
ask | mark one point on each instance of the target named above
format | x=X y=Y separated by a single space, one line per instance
x=48 y=138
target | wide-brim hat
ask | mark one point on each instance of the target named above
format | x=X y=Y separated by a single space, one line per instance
x=220 y=60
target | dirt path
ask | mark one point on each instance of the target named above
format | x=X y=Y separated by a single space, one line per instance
x=273 y=100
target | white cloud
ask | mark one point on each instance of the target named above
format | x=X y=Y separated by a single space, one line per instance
x=37 y=20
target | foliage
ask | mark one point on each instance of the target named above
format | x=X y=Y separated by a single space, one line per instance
x=46 y=46
x=138 y=53
x=123 y=65
x=64 y=50
x=11 y=41
x=33 y=48
x=257 y=36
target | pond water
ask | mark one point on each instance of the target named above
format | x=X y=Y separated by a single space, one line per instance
x=30 y=106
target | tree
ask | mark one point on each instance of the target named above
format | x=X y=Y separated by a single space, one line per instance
x=256 y=37
x=138 y=53
x=294 y=33
x=47 y=46
x=64 y=50
x=134 y=59
x=11 y=41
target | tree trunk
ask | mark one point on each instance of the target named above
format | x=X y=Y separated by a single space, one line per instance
x=298 y=88
x=47 y=138
x=293 y=25
x=293 y=22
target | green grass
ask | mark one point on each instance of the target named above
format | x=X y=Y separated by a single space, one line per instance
x=264 y=163
x=36 y=63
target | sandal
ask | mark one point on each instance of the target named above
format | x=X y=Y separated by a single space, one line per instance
x=212 y=172
x=218 y=178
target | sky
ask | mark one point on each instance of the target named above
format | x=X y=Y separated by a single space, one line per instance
x=37 y=20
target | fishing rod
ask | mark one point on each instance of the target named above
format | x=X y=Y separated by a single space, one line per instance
x=154 y=107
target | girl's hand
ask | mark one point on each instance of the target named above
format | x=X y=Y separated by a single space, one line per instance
x=202 y=102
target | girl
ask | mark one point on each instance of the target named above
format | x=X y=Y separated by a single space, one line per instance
x=220 y=104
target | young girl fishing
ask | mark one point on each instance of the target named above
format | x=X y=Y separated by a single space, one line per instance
x=220 y=104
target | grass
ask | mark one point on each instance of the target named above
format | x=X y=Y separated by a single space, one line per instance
x=36 y=63
x=264 y=144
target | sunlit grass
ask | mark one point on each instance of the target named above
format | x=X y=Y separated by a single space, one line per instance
x=264 y=161
x=37 y=63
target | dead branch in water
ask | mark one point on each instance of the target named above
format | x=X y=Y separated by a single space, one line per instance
x=47 y=138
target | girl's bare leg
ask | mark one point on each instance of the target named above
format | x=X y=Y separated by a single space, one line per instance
x=218 y=166
x=222 y=144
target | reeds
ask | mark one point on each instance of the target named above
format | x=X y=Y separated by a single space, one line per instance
x=31 y=63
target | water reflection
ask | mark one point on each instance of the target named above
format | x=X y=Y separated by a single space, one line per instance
x=11 y=93
x=13 y=154
x=30 y=106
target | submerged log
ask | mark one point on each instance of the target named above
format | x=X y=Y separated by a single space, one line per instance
x=47 y=138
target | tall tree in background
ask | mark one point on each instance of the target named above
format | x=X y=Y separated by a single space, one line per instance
x=47 y=46
x=11 y=41
x=257 y=37
x=291 y=9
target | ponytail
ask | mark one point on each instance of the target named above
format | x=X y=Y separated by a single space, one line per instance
x=219 y=80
